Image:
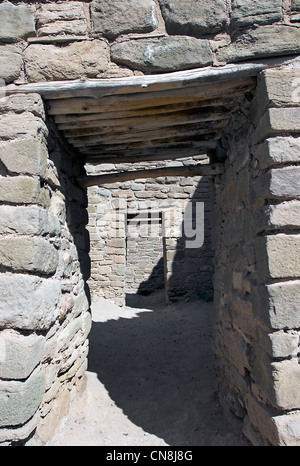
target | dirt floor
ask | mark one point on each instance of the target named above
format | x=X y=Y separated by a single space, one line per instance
x=150 y=379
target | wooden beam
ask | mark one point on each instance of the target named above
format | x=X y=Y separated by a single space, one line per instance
x=79 y=118
x=146 y=83
x=167 y=134
x=185 y=171
x=146 y=99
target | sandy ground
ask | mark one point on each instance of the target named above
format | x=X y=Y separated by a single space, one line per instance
x=150 y=379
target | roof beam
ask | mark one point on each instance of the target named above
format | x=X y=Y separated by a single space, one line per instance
x=185 y=171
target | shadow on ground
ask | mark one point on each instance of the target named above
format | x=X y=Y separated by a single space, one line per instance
x=157 y=367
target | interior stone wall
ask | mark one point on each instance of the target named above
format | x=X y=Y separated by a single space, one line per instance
x=142 y=257
x=256 y=241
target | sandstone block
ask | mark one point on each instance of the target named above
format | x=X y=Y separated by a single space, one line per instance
x=48 y=62
x=16 y=21
x=30 y=254
x=276 y=88
x=19 y=354
x=286 y=376
x=248 y=12
x=61 y=18
x=27 y=157
x=260 y=42
x=278 y=150
x=123 y=16
x=20 y=400
x=281 y=344
x=28 y=220
x=279 y=216
x=276 y=121
x=20 y=103
x=24 y=125
x=23 y=190
x=165 y=54
x=11 y=61
x=277 y=256
x=28 y=302
x=277 y=304
x=191 y=17
x=281 y=183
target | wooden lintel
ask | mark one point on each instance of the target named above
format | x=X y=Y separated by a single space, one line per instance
x=185 y=171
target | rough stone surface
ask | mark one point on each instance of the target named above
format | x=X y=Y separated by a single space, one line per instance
x=25 y=157
x=20 y=400
x=61 y=18
x=73 y=61
x=246 y=12
x=260 y=42
x=19 y=354
x=31 y=254
x=23 y=190
x=16 y=22
x=34 y=307
x=166 y=54
x=28 y=220
x=123 y=16
x=193 y=17
x=11 y=61
x=277 y=304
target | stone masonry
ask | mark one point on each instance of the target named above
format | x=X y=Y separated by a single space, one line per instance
x=256 y=284
x=255 y=214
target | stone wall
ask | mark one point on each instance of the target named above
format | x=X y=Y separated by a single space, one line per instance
x=256 y=237
x=44 y=309
x=59 y=40
x=129 y=254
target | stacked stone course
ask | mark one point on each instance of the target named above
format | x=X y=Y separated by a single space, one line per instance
x=256 y=209
x=44 y=310
x=59 y=40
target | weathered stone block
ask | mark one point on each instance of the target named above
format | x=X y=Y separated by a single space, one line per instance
x=165 y=54
x=278 y=121
x=20 y=103
x=27 y=157
x=191 y=17
x=19 y=354
x=278 y=216
x=286 y=376
x=276 y=88
x=23 y=190
x=48 y=62
x=278 y=183
x=11 y=61
x=30 y=254
x=16 y=21
x=281 y=344
x=20 y=400
x=28 y=302
x=277 y=305
x=24 y=125
x=248 y=12
x=123 y=16
x=277 y=256
x=279 y=150
x=31 y=220
x=61 y=18
x=260 y=42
